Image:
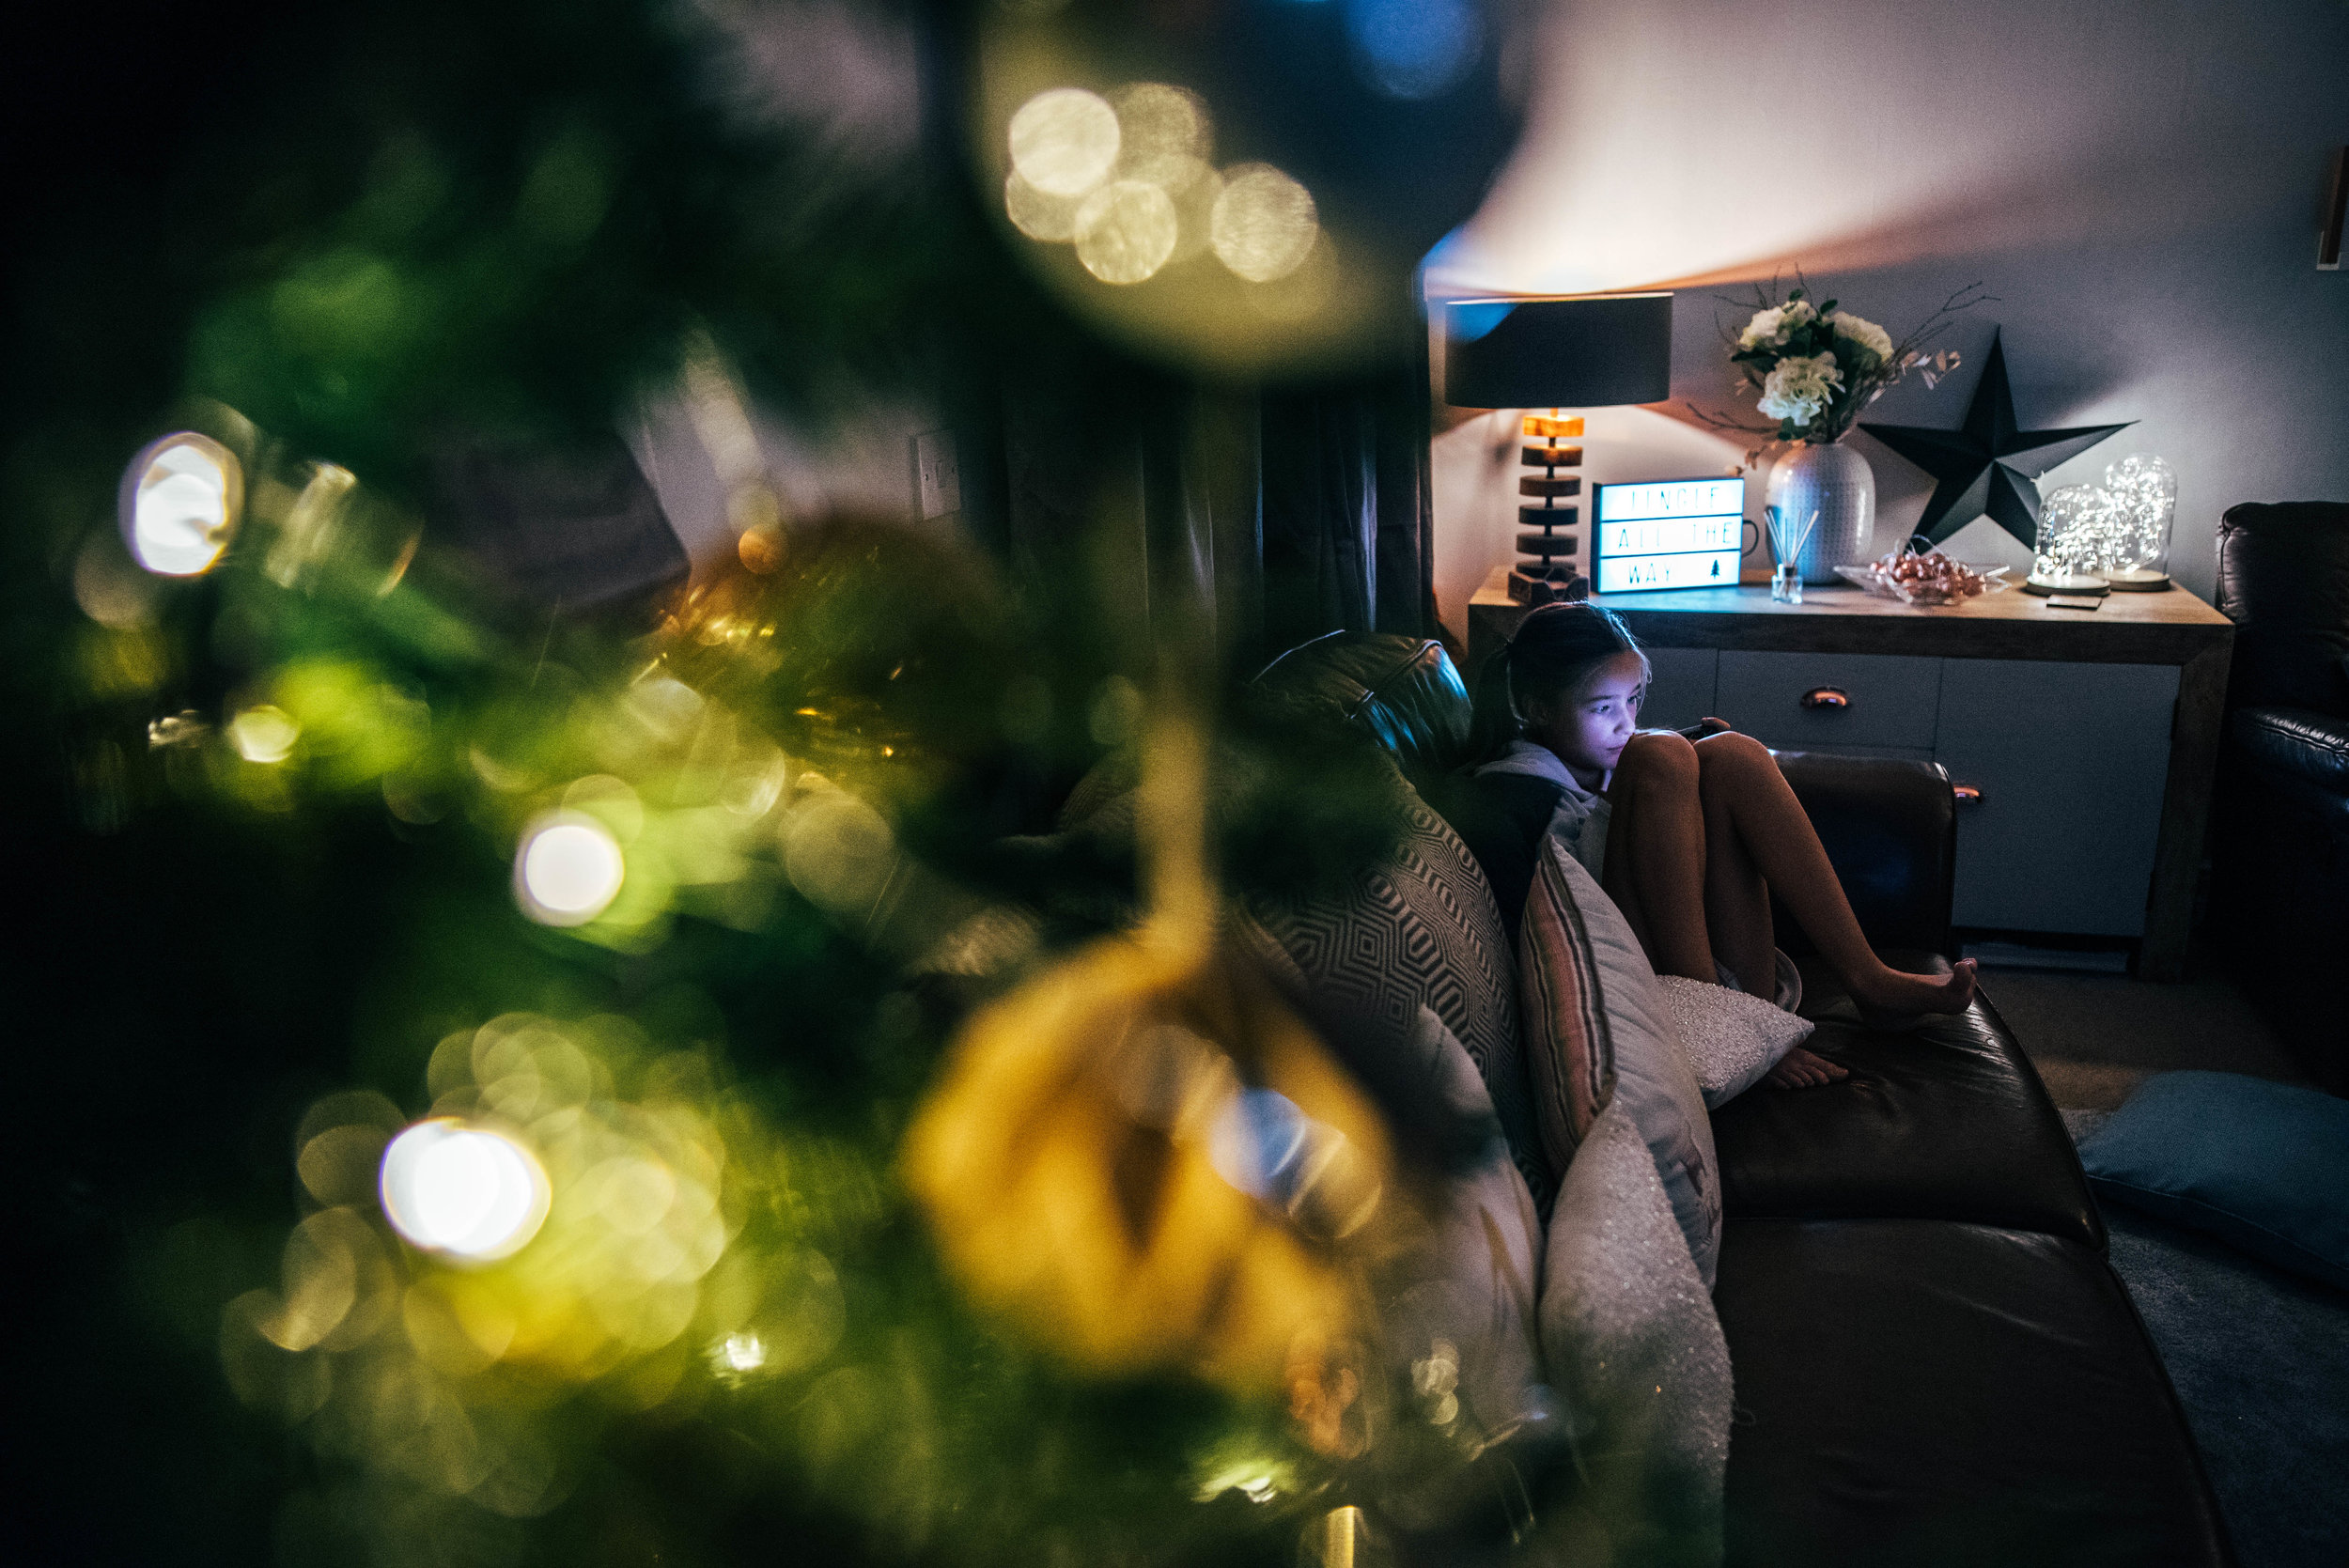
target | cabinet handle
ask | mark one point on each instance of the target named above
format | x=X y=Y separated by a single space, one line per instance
x=1968 y=795
x=1833 y=697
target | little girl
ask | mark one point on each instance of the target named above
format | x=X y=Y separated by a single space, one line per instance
x=1689 y=839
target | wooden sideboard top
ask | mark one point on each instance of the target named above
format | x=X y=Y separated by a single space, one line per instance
x=2168 y=628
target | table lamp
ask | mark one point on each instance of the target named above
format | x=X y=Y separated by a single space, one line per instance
x=1555 y=353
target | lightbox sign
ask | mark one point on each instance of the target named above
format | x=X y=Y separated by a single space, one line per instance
x=1668 y=534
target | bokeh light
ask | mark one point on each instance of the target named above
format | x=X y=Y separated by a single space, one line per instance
x=110 y=588
x=1255 y=1141
x=180 y=499
x=264 y=734
x=1163 y=132
x=1264 y=225
x=1125 y=231
x=469 y=1191
x=1065 y=141
x=1039 y=214
x=569 y=869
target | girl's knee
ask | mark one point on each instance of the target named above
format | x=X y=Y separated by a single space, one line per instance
x=1660 y=756
x=1732 y=752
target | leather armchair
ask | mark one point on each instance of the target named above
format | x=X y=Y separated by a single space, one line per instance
x=2281 y=831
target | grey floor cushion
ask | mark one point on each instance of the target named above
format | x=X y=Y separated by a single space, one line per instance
x=2262 y=1165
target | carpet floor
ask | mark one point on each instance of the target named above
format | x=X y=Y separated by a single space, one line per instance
x=2259 y=1358
x=2093 y=1037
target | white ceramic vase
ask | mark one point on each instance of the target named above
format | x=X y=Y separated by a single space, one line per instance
x=1837 y=483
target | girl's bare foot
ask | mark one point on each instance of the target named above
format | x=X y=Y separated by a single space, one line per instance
x=1802 y=1069
x=1892 y=999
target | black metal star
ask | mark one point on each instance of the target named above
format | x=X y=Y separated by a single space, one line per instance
x=1986 y=467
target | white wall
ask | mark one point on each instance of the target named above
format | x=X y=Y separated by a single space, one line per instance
x=2137 y=179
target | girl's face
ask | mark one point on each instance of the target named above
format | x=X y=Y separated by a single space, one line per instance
x=1589 y=727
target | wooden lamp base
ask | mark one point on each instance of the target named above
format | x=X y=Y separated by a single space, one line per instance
x=1553 y=584
x=1541 y=576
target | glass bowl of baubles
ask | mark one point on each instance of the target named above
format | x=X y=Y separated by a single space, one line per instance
x=1925 y=577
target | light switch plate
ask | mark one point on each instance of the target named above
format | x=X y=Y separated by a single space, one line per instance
x=936 y=479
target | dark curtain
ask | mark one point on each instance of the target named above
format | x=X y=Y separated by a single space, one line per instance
x=1346 y=509
x=1279 y=515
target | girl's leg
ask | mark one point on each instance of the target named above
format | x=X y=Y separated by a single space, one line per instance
x=1747 y=799
x=1655 y=853
x=1737 y=896
x=1737 y=907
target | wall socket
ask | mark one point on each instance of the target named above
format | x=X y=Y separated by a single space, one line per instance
x=937 y=478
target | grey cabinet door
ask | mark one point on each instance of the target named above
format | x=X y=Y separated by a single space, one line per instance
x=1679 y=687
x=2070 y=760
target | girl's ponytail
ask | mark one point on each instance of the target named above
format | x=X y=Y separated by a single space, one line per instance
x=1493 y=718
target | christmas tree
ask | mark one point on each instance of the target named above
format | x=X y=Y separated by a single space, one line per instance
x=516 y=1084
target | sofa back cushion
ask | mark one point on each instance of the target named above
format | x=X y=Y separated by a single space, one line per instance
x=1419 y=929
x=1402 y=691
x=2283 y=578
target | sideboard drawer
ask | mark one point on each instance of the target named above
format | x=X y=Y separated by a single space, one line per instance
x=1829 y=700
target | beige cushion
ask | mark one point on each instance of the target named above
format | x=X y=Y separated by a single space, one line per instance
x=1458 y=1307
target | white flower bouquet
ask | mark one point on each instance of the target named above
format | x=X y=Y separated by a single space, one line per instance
x=1817 y=366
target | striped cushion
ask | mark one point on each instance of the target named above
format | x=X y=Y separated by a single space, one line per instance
x=1595 y=969
x=1569 y=1052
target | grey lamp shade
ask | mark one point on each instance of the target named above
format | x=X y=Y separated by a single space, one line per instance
x=1570 y=352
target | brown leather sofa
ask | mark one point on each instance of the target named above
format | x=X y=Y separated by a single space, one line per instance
x=1934 y=1362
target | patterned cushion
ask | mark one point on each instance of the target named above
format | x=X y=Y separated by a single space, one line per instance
x=1569 y=1052
x=1420 y=930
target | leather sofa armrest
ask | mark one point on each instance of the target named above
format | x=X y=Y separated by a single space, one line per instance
x=2299 y=742
x=1889 y=827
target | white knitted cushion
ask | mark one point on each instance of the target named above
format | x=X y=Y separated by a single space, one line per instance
x=1632 y=1343
x=1732 y=1039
